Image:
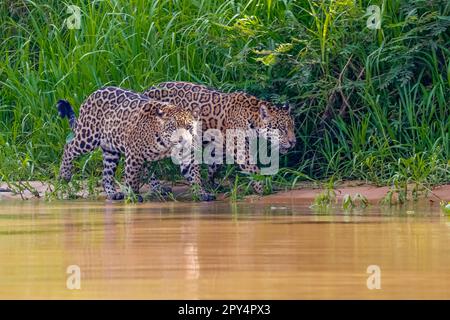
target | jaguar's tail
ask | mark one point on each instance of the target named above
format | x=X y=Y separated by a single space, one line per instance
x=66 y=110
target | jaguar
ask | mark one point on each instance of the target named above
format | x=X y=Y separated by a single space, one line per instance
x=223 y=111
x=122 y=122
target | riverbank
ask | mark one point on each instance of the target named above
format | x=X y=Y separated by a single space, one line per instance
x=305 y=194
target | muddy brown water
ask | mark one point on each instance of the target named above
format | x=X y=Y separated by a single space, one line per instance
x=220 y=250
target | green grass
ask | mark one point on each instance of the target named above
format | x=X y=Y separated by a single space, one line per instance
x=369 y=104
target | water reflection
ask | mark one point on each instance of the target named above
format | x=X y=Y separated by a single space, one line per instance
x=221 y=250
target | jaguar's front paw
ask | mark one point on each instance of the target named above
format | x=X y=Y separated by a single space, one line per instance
x=213 y=185
x=164 y=191
x=117 y=196
x=258 y=187
x=207 y=197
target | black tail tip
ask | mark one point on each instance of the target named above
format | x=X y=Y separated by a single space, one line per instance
x=64 y=108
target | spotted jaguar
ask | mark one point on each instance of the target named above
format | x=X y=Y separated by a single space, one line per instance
x=223 y=111
x=124 y=122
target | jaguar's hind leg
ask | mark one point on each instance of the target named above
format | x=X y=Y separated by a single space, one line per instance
x=212 y=173
x=257 y=186
x=242 y=159
x=72 y=150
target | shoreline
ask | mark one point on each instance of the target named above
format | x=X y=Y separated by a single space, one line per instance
x=303 y=194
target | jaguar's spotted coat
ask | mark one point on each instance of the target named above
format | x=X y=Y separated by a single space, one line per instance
x=124 y=122
x=222 y=111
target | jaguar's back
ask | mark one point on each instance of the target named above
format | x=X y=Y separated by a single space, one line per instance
x=206 y=104
x=107 y=114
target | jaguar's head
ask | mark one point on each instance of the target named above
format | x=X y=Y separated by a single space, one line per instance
x=279 y=118
x=177 y=125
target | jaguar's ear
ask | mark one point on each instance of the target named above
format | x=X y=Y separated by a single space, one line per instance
x=196 y=114
x=160 y=112
x=287 y=107
x=264 y=112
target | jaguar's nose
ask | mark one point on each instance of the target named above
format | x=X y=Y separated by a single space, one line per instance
x=292 y=141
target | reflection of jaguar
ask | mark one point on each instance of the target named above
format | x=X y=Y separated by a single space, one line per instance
x=124 y=122
x=223 y=111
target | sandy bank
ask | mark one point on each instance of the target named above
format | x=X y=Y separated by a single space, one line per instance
x=372 y=193
x=303 y=195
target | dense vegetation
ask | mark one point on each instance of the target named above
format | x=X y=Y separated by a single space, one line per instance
x=370 y=104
